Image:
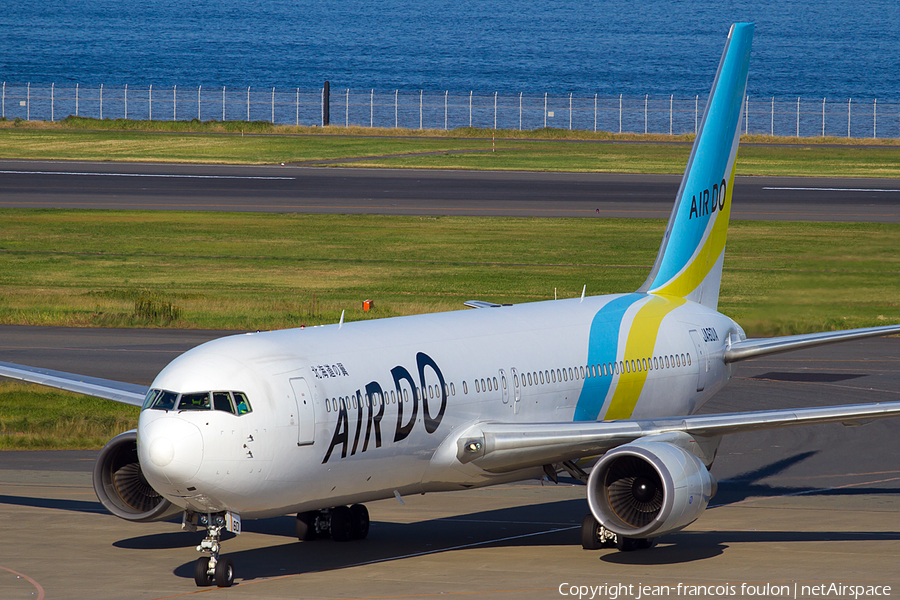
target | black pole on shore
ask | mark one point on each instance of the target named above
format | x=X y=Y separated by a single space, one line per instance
x=326 y=104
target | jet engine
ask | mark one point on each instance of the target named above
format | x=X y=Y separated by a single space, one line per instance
x=646 y=488
x=121 y=487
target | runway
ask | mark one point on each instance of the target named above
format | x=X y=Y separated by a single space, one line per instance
x=131 y=186
x=806 y=506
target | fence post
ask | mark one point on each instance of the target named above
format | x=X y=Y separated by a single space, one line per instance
x=199 y=87
x=4 y=101
x=570 y=111
x=126 y=101
x=28 y=102
x=446 y=94
x=849 y=100
x=174 y=103
x=874 y=116
x=248 y=103
x=76 y=99
x=372 y=108
x=620 y=113
x=646 y=96
x=545 y=110
x=297 y=106
x=347 y=109
x=495 y=110
x=395 y=109
x=101 y=101
x=149 y=103
x=520 y=111
x=595 y=113
x=273 y=105
x=223 y=103
x=52 y=85
x=696 y=108
x=772 y=124
x=421 y=95
x=798 y=116
x=823 y=117
x=671 y=101
x=470 y=108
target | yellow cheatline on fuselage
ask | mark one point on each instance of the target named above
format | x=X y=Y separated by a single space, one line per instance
x=641 y=342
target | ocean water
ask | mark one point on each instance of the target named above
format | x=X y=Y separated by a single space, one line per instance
x=834 y=48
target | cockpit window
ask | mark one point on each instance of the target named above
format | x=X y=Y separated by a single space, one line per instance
x=243 y=405
x=222 y=401
x=235 y=403
x=161 y=400
x=199 y=401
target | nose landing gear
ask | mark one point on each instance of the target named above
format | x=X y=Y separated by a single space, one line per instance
x=212 y=568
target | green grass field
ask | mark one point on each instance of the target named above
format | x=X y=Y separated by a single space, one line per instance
x=540 y=150
x=263 y=271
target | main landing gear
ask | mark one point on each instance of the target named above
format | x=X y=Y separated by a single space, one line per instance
x=340 y=523
x=212 y=568
x=595 y=536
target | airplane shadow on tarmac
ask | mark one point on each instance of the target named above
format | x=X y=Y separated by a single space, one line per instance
x=548 y=524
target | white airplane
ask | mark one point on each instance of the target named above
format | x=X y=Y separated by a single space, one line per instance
x=317 y=421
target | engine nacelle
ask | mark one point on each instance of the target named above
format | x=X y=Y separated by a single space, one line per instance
x=121 y=487
x=646 y=488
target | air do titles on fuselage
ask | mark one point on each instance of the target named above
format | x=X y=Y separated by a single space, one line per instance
x=705 y=206
x=374 y=399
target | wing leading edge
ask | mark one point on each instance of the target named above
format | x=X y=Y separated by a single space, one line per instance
x=117 y=391
x=505 y=447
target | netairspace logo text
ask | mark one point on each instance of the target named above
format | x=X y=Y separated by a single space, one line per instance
x=616 y=591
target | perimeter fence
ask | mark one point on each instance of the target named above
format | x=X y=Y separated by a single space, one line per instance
x=795 y=116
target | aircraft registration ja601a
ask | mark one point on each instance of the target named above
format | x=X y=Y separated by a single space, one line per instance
x=318 y=421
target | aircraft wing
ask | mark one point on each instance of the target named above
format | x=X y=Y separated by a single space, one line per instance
x=752 y=348
x=504 y=447
x=118 y=391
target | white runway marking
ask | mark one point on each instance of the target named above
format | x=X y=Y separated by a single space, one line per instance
x=816 y=189
x=168 y=176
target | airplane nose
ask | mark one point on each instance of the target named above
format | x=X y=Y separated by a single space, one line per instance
x=174 y=448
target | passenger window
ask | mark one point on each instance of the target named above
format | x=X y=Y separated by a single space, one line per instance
x=222 y=401
x=582 y=371
x=477 y=386
x=327 y=406
x=655 y=363
x=677 y=361
x=529 y=379
x=689 y=359
x=465 y=388
x=496 y=387
x=198 y=401
x=452 y=389
x=405 y=396
x=553 y=376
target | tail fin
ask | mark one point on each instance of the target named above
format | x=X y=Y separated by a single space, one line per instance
x=689 y=264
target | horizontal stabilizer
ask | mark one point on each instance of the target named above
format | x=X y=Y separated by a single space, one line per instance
x=481 y=304
x=117 y=391
x=763 y=346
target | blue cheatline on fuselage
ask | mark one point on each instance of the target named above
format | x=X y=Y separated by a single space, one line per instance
x=603 y=347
